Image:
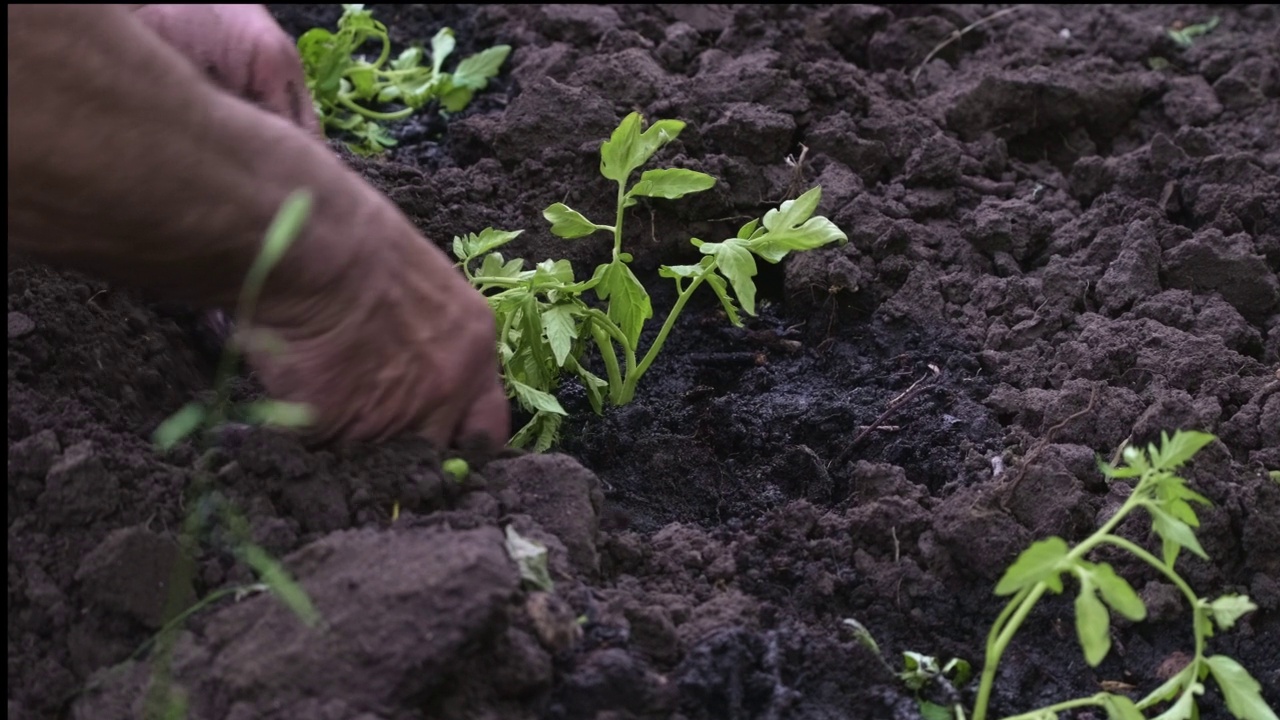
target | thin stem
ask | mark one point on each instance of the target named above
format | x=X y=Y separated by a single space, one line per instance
x=351 y=105
x=633 y=378
x=617 y=223
x=1098 y=700
x=996 y=649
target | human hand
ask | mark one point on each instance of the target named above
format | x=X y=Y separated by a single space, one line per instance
x=398 y=342
x=243 y=50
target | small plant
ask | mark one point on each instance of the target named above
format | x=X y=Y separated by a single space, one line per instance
x=919 y=672
x=209 y=506
x=545 y=322
x=1185 y=35
x=343 y=84
x=1040 y=569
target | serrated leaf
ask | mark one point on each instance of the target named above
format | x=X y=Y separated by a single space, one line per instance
x=178 y=426
x=793 y=212
x=721 y=289
x=549 y=274
x=1038 y=563
x=791 y=227
x=671 y=183
x=277 y=413
x=475 y=71
x=442 y=46
x=628 y=148
x=1093 y=624
x=629 y=304
x=536 y=399
x=746 y=231
x=488 y=239
x=561 y=330
x=569 y=223
x=1243 y=694
x=1119 y=707
x=1174 y=533
x=1176 y=450
x=737 y=265
x=1118 y=593
x=495 y=266
x=1227 y=609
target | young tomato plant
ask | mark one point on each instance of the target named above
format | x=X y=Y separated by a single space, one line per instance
x=343 y=84
x=1040 y=569
x=546 y=323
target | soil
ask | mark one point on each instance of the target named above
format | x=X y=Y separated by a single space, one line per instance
x=1054 y=246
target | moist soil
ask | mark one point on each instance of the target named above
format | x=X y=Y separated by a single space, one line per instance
x=1064 y=234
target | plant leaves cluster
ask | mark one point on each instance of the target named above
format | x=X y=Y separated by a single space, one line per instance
x=548 y=319
x=1046 y=564
x=344 y=85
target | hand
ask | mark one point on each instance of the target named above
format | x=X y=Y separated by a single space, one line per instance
x=398 y=342
x=243 y=50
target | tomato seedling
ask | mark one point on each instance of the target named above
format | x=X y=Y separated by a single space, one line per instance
x=546 y=324
x=344 y=85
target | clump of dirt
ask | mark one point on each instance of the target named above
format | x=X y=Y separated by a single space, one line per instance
x=1054 y=249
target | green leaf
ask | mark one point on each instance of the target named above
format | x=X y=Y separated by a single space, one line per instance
x=791 y=227
x=283 y=230
x=488 y=239
x=721 y=289
x=1174 y=533
x=958 y=670
x=536 y=399
x=277 y=413
x=793 y=212
x=442 y=46
x=934 y=711
x=1185 y=706
x=475 y=71
x=283 y=586
x=746 y=231
x=569 y=223
x=561 y=330
x=1242 y=692
x=1093 y=623
x=1119 y=707
x=1227 y=609
x=736 y=263
x=456 y=99
x=1118 y=593
x=671 y=183
x=1038 y=563
x=628 y=148
x=629 y=304
x=1180 y=448
x=550 y=274
x=409 y=59
x=179 y=425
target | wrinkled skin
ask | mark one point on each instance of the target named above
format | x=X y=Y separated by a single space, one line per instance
x=155 y=144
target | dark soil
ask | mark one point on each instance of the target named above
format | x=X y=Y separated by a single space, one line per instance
x=1064 y=247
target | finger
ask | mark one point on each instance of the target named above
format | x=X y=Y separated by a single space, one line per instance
x=488 y=419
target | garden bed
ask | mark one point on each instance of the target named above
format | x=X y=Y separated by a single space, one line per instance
x=1053 y=249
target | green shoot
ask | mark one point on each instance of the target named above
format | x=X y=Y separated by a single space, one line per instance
x=918 y=672
x=456 y=468
x=196 y=417
x=1185 y=36
x=545 y=323
x=344 y=85
x=200 y=420
x=1041 y=567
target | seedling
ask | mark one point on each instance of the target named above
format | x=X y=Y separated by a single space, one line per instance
x=545 y=321
x=201 y=420
x=1040 y=569
x=918 y=672
x=1185 y=35
x=344 y=85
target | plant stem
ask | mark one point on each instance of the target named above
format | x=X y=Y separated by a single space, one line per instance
x=629 y=390
x=617 y=223
x=1097 y=700
x=996 y=649
x=351 y=105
